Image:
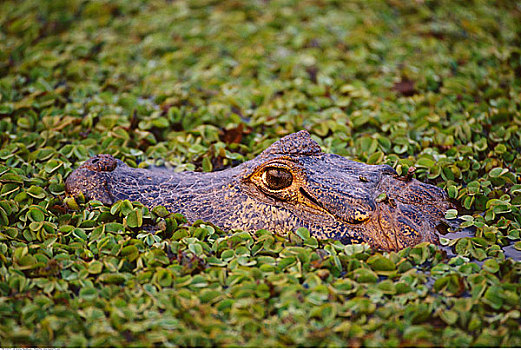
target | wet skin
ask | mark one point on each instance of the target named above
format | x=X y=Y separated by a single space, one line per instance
x=291 y=184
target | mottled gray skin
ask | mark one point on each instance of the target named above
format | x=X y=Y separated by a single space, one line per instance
x=330 y=195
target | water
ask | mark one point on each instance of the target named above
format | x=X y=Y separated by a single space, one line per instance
x=509 y=250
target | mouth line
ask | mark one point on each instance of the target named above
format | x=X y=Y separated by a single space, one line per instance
x=322 y=208
x=312 y=199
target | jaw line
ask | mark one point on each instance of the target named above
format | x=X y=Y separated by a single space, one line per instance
x=321 y=209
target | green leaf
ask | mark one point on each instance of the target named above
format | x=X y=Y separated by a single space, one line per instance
x=89 y=293
x=180 y=234
x=52 y=165
x=114 y=227
x=95 y=267
x=196 y=249
x=494 y=297
x=210 y=296
x=213 y=261
x=207 y=164
x=497 y=172
x=387 y=287
x=311 y=242
x=36 y=192
x=285 y=262
x=10 y=177
x=4 y=219
x=452 y=192
x=451 y=214
x=363 y=275
x=161 y=211
x=130 y=252
x=164 y=277
x=303 y=233
x=26 y=262
x=449 y=316
x=491 y=266
x=112 y=278
x=425 y=163
x=135 y=218
x=381 y=264
x=36 y=215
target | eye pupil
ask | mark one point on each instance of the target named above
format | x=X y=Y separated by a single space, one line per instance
x=277 y=179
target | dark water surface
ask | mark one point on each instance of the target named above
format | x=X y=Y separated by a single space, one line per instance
x=510 y=251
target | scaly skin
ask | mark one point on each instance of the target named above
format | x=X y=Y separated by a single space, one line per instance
x=291 y=184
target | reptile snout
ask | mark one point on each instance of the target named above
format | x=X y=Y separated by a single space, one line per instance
x=101 y=162
x=387 y=170
x=409 y=211
x=92 y=178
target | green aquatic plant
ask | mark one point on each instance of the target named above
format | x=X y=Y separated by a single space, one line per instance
x=429 y=88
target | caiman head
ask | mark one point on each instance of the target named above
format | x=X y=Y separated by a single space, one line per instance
x=291 y=184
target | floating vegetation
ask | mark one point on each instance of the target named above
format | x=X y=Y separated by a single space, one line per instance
x=430 y=88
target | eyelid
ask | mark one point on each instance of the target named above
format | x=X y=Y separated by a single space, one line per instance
x=276 y=165
x=284 y=162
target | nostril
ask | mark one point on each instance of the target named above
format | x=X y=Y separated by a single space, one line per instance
x=388 y=170
x=102 y=162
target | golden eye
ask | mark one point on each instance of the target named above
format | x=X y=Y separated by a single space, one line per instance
x=277 y=178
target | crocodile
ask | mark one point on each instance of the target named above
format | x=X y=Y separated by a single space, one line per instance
x=291 y=184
